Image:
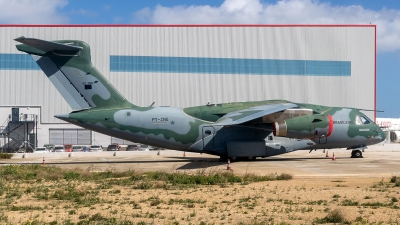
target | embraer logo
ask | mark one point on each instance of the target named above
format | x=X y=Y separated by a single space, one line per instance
x=342 y=122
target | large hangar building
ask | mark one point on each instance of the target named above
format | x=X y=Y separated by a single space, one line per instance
x=188 y=65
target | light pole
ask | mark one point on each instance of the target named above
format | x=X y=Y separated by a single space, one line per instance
x=35 y=119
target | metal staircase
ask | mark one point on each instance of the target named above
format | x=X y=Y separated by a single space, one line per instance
x=13 y=127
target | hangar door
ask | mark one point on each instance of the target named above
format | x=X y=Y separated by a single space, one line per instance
x=70 y=136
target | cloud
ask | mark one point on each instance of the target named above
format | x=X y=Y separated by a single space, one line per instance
x=32 y=12
x=281 y=12
x=143 y=15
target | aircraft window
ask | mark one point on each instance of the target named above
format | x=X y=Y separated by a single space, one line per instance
x=358 y=120
x=208 y=132
x=362 y=120
x=365 y=120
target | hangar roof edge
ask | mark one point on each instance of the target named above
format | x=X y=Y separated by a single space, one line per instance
x=187 y=25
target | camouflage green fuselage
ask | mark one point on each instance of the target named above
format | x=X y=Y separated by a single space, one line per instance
x=185 y=129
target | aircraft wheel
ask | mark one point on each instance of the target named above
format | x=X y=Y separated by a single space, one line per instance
x=251 y=158
x=356 y=154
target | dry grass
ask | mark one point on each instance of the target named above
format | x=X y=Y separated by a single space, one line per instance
x=5 y=155
x=110 y=199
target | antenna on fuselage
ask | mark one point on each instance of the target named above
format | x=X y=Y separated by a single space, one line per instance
x=371 y=110
x=210 y=104
x=152 y=104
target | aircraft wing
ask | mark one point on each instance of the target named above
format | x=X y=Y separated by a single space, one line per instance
x=245 y=115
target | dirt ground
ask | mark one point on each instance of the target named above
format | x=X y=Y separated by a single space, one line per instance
x=297 y=201
x=355 y=191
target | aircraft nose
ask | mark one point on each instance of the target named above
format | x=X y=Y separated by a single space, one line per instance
x=381 y=136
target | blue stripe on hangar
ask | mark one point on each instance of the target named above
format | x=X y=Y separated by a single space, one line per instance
x=17 y=62
x=229 y=66
x=202 y=65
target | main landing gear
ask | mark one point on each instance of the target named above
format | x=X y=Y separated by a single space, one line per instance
x=234 y=158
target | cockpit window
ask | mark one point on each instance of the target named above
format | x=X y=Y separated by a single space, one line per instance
x=365 y=120
x=362 y=120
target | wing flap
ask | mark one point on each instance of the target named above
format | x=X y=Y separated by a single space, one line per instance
x=245 y=115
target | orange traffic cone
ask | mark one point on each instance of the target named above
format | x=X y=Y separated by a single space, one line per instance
x=184 y=154
x=229 y=165
x=333 y=157
x=43 y=162
x=327 y=155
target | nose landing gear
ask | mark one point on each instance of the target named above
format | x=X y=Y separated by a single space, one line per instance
x=356 y=154
x=356 y=151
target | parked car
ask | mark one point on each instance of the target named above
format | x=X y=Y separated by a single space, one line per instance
x=41 y=150
x=118 y=146
x=49 y=147
x=78 y=148
x=59 y=148
x=95 y=148
x=144 y=148
x=68 y=147
x=133 y=147
x=113 y=147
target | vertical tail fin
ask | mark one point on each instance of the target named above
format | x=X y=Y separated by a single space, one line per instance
x=68 y=65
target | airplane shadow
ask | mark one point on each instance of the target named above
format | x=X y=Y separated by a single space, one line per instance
x=200 y=165
x=197 y=163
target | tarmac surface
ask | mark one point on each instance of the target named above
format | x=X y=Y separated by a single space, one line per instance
x=378 y=161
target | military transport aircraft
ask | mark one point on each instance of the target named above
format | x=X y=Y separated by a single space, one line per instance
x=237 y=130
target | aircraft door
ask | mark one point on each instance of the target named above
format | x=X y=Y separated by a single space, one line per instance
x=208 y=137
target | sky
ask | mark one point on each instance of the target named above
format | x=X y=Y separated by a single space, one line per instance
x=383 y=13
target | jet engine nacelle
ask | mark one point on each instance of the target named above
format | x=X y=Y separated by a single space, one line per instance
x=311 y=126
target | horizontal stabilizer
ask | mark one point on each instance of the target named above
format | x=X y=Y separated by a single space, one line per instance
x=48 y=46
